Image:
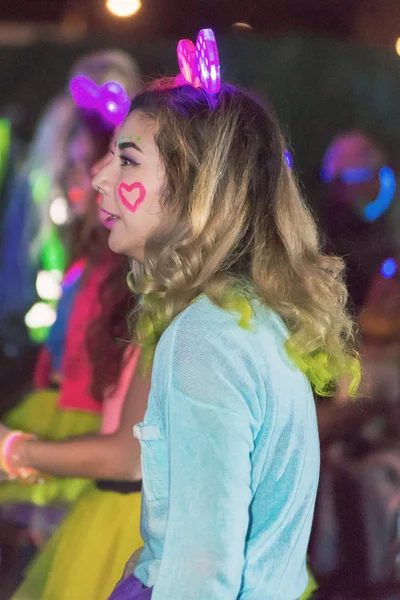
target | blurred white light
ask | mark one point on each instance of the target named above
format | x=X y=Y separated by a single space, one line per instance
x=59 y=210
x=40 y=315
x=47 y=285
x=123 y=8
x=398 y=46
x=57 y=275
x=112 y=107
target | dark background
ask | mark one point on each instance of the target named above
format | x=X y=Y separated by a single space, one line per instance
x=376 y=22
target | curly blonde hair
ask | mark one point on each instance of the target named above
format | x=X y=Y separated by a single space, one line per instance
x=236 y=228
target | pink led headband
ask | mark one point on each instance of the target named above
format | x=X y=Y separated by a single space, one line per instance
x=199 y=64
x=110 y=100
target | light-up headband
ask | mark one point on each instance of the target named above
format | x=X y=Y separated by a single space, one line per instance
x=199 y=64
x=109 y=100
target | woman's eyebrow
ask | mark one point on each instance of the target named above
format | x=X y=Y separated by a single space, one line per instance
x=124 y=145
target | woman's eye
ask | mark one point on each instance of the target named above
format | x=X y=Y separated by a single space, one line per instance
x=126 y=162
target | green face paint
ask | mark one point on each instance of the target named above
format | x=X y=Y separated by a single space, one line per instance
x=122 y=138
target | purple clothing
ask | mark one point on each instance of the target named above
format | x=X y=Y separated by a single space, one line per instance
x=131 y=589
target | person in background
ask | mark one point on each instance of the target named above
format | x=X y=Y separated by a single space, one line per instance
x=358 y=208
x=62 y=404
x=35 y=231
x=86 y=368
x=380 y=331
x=86 y=554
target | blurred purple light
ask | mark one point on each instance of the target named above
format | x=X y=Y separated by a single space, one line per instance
x=110 y=100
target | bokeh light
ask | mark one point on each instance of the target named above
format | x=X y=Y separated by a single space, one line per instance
x=242 y=25
x=40 y=315
x=59 y=210
x=5 y=139
x=398 y=46
x=53 y=254
x=388 y=268
x=48 y=285
x=123 y=8
x=40 y=185
x=377 y=207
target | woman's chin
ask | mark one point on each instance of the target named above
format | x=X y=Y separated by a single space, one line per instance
x=118 y=246
x=114 y=243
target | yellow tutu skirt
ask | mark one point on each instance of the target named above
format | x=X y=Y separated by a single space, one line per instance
x=311 y=587
x=38 y=413
x=86 y=556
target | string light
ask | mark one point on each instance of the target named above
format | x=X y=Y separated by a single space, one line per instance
x=123 y=8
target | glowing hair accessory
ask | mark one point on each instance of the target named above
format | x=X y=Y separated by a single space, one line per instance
x=199 y=64
x=288 y=159
x=109 y=100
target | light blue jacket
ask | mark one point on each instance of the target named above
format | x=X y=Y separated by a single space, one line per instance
x=230 y=459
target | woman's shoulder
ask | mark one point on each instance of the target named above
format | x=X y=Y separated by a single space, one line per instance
x=207 y=356
x=203 y=321
x=213 y=323
x=214 y=335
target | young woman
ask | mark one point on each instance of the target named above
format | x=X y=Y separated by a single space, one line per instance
x=246 y=315
x=84 y=372
x=87 y=553
x=29 y=237
x=68 y=143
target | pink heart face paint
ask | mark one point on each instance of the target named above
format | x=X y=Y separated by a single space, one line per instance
x=132 y=195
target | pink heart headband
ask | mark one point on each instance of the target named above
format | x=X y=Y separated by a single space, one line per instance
x=199 y=64
x=110 y=100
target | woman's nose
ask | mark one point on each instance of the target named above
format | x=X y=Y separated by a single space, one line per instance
x=99 y=165
x=100 y=182
x=101 y=172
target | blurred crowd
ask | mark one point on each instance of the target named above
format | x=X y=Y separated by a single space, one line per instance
x=63 y=299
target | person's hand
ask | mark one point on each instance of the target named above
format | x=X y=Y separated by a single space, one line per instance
x=56 y=377
x=131 y=565
x=4 y=431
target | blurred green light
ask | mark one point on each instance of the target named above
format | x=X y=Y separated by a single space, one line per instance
x=53 y=253
x=40 y=185
x=5 y=141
